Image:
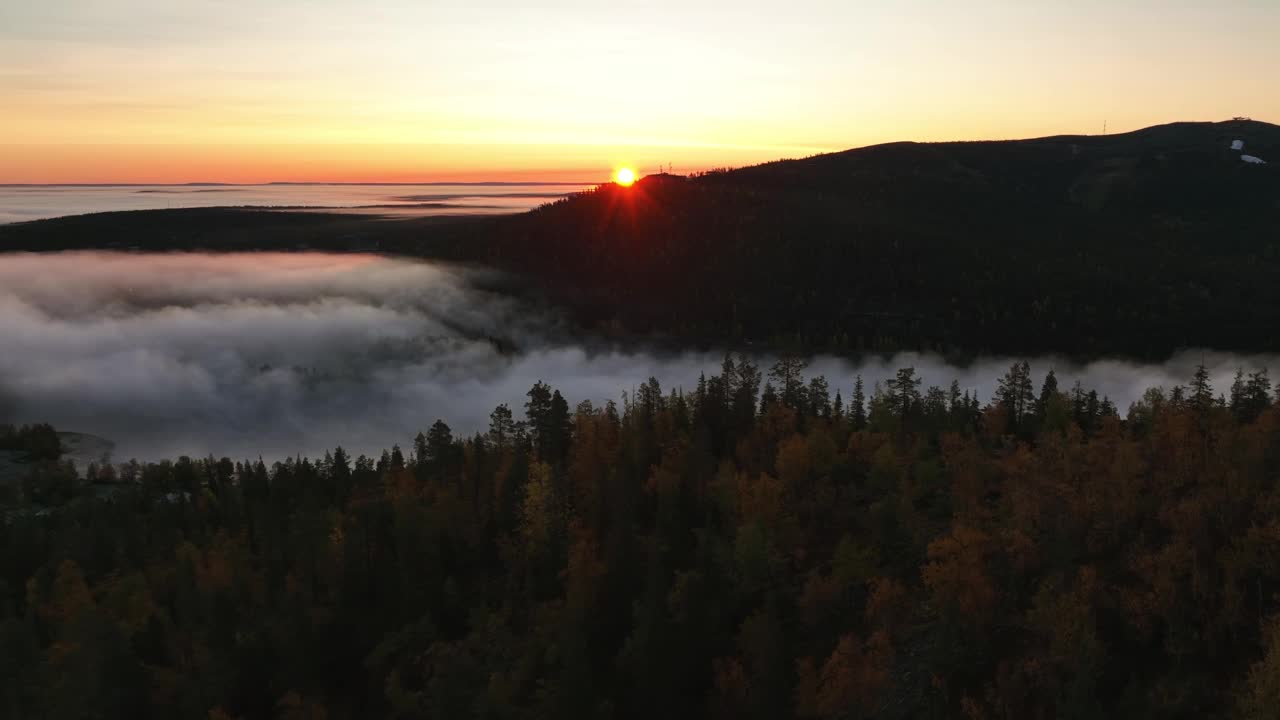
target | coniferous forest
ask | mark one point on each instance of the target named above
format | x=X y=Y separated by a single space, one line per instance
x=759 y=547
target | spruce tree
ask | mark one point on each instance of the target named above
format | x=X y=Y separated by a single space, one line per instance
x=858 y=405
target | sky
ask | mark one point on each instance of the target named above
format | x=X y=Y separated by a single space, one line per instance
x=435 y=90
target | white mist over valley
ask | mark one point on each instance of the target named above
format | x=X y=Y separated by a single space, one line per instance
x=275 y=354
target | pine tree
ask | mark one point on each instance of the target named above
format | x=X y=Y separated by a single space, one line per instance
x=501 y=426
x=746 y=386
x=729 y=373
x=768 y=397
x=1048 y=390
x=551 y=423
x=1257 y=394
x=559 y=426
x=904 y=392
x=1015 y=393
x=953 y=396
x=1238 y=395
x=439 y=446
x=1107 y=408
x=1201 y=391
x=819 y=397
x=858 y=405
x=420 y=450
x=538 y=408
x=788 y=373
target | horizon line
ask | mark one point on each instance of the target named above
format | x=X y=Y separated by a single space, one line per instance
x=476 y=183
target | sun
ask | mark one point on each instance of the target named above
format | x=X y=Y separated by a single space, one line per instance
x=624 y=176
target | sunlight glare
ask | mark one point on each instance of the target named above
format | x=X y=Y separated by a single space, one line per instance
x=624 y=176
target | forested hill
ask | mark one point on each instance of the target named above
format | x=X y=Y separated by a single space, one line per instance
x=1133 y=244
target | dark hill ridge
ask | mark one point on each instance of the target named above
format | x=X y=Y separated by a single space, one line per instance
x=1135 y=244
x=235 y=229
x=1154 y=159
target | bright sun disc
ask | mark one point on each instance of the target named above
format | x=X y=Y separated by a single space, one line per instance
x=624 y=176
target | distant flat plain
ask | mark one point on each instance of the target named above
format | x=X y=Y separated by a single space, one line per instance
x=20 y=203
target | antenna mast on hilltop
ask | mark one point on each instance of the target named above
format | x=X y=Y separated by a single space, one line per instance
x=1104 y=127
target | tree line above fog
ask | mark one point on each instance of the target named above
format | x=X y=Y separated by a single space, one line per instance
x=755 y=548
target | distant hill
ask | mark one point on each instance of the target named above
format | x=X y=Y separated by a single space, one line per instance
x=233 y=229
x=1133 y=244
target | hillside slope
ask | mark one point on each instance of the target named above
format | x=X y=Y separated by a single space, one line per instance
x=1136 y=244
x=1133 y=244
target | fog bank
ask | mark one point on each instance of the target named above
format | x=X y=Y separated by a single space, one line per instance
x=277 y=354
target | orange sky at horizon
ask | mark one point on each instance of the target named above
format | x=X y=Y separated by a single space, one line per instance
x=363 y=163
x=240 y=91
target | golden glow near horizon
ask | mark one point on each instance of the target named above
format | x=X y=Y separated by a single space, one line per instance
x=624 y=176
x=239 y=91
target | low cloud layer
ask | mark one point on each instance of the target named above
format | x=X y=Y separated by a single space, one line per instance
x=283 y=354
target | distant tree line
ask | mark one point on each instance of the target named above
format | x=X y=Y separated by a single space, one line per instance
x=758 y=547
x=33 y=442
